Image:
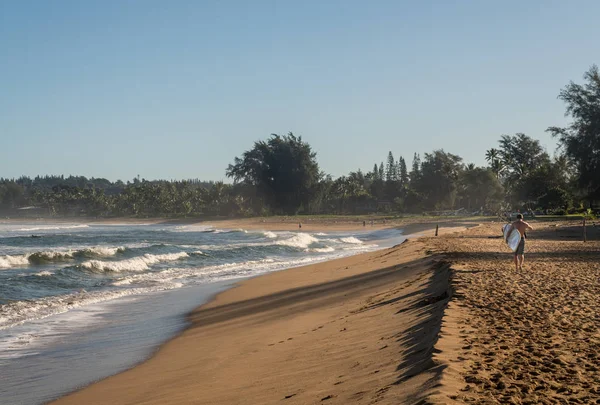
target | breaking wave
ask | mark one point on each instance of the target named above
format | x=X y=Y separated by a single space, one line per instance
x=352 y=240
x=139 y=263
x=44 y=257
x=300 y=240
x=13 y=261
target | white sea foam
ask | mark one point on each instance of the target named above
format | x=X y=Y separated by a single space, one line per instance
x=102 y=251
x=52 y=228
x=13 y=261
x=228 y=230
x=200 y=273
x=352 y=240
x=18 y=312
x=322 y=250
x=44 y=273
x=270 y=235
x=190 y=228
x=139 y=263
x=299 y=240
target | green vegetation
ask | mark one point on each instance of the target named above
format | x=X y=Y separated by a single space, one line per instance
x=281 y=176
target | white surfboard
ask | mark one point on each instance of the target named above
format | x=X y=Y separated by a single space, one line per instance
x=512 y=237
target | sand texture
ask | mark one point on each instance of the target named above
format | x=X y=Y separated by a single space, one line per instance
x=522 y=337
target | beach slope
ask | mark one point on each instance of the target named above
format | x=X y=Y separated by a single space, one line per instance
x=354 y=330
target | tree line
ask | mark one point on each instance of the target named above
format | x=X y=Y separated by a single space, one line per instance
x=281 y=175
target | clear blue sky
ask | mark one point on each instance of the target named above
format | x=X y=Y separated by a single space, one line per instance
x=177 y=89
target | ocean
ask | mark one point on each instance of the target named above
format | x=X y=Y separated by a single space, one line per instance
x=80 y=302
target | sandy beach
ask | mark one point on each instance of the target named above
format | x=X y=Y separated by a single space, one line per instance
x=522 y=337
x=434 y=320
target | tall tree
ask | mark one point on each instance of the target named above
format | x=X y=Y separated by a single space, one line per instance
x=522 y=154
x=415 y=172
x=283 y=169
x=438 y=181
x=390 y=172
x=480 y=188
x=580 y=140
x=402 y=172
x=375 y=174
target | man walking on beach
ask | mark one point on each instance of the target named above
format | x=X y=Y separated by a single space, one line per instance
x=522 y=227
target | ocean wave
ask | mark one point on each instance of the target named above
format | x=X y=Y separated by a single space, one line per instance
x=18 y=312
x=239 y=230
x=50 y=256
x=100 y=251
x=44 y=273
x=270 y=235
x=13 y=261
x=15 y=313
x=139 y=263
x=171 y=274
x=51 y=228
x=204 y=229
x=352 y=240
x=322 y=250
x=299 y=240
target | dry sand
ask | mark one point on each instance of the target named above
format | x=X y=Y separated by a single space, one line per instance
x=435 y=320
x=522 y=337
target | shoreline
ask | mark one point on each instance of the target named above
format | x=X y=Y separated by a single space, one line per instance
x=240 y=292
x=276 y=223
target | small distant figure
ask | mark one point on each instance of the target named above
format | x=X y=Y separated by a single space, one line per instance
x=522 y=227
x=364 y=223
x=299 y=225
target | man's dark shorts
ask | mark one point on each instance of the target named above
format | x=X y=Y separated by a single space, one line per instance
x=521 y=248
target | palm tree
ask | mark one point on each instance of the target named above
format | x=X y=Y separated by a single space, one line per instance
x=491 y=155
x=497 y=167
